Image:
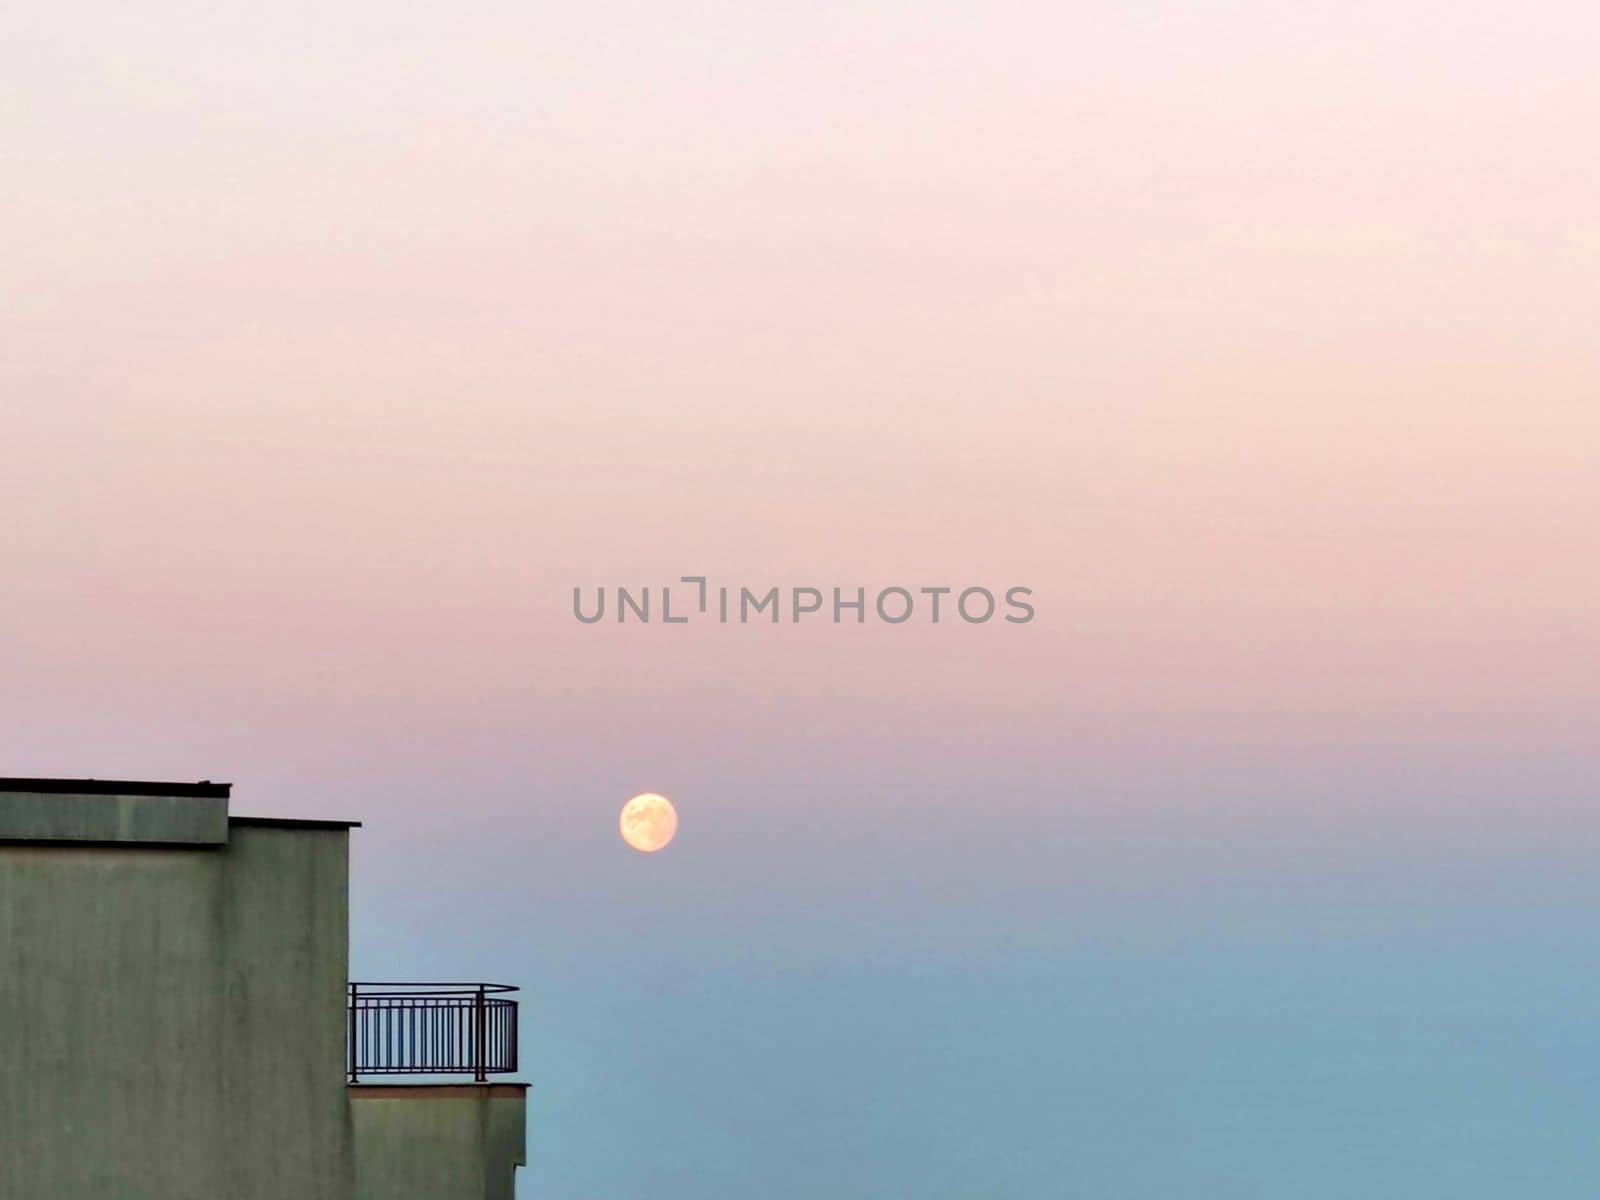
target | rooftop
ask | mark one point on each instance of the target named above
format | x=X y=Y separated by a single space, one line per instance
x=115 y=787
x=129 y=810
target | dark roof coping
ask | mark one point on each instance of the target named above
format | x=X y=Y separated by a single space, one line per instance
x=115 y=787
x=292 y=823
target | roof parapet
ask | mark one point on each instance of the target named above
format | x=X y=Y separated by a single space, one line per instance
x=114 y=812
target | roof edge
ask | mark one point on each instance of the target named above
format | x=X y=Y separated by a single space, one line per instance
x=114 y=787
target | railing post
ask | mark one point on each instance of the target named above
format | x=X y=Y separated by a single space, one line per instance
x=513 y=1043
x=350 y=1034
x=480 y=1021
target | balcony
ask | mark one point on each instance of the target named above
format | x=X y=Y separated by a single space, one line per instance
x=432 y=1029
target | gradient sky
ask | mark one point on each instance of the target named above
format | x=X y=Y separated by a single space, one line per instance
x=339 y=343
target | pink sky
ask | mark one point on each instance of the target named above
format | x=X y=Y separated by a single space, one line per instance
x=338 y=349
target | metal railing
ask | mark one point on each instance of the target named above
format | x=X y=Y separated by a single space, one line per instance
x=432 y=1029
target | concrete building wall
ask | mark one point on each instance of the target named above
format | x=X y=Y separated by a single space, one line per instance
x=172 y=1020
x=437 y=1142
x=114 y=817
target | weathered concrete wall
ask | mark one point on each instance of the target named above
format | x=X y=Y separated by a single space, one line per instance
x=172 y=1021
x=110 y=817
x=438 y=1142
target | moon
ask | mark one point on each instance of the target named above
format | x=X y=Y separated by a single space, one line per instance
x=648 y=822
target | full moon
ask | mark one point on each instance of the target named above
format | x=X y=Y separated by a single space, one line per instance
x=648 y=822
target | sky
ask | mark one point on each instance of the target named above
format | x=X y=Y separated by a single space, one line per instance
x=340 y=343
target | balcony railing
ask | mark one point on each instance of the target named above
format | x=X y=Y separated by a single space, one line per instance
x=432 y=1029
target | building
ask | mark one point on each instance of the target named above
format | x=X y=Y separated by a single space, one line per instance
x=177 y=1020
